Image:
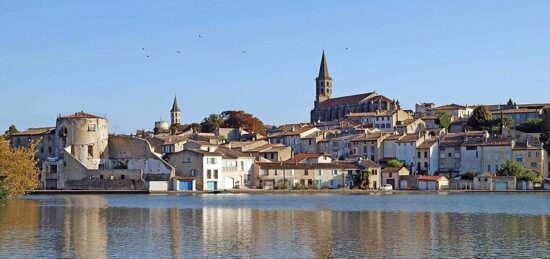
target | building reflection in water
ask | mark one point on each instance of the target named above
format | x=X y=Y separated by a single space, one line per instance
x=84 y=226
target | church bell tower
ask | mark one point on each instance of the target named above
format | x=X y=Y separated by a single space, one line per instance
x=323 y=83
x=175 y=112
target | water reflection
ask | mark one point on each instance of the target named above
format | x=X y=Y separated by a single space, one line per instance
x=87 y=226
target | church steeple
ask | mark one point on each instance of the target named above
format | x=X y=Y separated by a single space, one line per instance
x=175 y=112
x=323 y=82
x=323 y=69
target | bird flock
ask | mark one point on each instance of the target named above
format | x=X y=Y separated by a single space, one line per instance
x=180 y=51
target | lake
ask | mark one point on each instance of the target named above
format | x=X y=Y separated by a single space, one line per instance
x=277 y=225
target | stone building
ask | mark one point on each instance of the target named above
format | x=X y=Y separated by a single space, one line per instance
x=43 y=138
x=327 y=108
x=86 y=157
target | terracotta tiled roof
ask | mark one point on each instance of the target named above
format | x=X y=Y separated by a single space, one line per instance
x=81 y=115
x=448 y=107
x=334 y=165
x=388 y=170
x=427 y=144
x=515 y=111
x=300 y=157
x=368 y=137
x=351 y=99
x=409 y=138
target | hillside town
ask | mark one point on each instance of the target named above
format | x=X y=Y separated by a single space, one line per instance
x=363 y=141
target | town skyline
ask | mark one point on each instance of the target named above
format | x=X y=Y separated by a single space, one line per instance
x=132 y=72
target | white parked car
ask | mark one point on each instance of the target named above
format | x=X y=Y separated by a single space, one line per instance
x=386 y=187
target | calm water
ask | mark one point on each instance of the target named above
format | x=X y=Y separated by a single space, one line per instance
x=286 y=226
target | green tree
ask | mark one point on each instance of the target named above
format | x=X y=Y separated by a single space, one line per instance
x=18 y=166
x=469 y=175
x=362 y=178
x=11 y=130
x=212 y=123
x=444 y=120
x=510 y=102
x=395 y=163
x=531 y=126
x=481 y=119
x=511 y=168
x=545 y=131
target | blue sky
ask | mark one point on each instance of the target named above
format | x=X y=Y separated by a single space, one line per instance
x=59 y=57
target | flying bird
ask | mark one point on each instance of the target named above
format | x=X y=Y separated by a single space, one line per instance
x=200 y=36
x=178 y=51
x=244 y=51
x=147 y=56
x=142 y=48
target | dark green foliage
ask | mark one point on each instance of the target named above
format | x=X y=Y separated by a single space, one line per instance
x=444 y=120
x=469 y=175
x=531 y=126
x=395 y=163
x=481 y=119
x=11 y=130
x=545 y=131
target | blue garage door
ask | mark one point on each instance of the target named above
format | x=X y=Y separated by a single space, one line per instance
x=185 y=185
x=211 y=185
x=501 y=185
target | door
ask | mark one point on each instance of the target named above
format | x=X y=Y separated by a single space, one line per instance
x=211 y=185
x=229 y=183
x=185 y=185
x=501 y=186
x=432 y=185
x=422 y=185
x=403 y=185
x=392 y=183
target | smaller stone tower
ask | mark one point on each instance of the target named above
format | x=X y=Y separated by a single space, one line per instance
x=175 y=113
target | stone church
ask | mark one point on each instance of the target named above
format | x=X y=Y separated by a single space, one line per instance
x=327 y=108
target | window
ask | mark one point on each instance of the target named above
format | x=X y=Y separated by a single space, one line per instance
x=211 y=161
x=537 y=154
x=53 y=169
x=209 y=174
x=335 y=172
x=276 y=172
x=101 y=177
x=533 y=164
x=450 y=154
x=320 y=172
x=489 y=168
x=90 y=150
x=470 y=148
x=266 y=172
x=91 y=127
x=272 y=156
x=529 y=154
x=425 y=154
x=306 y=172
x=391 y=175
x=41 y=150
x=215 y=174
x=426 y=165
x=442 y=155
x=519 y=158
x=49 y=149
x=418 y=167
x=457 y=155
x=122 y=177
x=419 y=156
x=242 y=166
x=193 y=172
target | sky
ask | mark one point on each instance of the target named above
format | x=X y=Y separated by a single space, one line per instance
x=60 y=57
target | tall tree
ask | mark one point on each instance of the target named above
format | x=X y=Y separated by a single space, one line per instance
x=212 y=122
x=18 y=166
x=530 y=126
x=444 y=120
x=545 y=131
x=510 y=102
x=511 y=168
x=481 y=119
x=11 y=130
